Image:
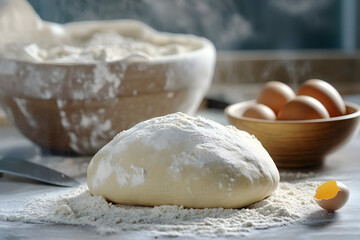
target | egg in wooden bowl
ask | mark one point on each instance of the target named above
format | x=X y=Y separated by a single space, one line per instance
x=298 y=143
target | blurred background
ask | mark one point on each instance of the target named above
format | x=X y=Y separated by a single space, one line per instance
x=257 y=41
x=229 y=24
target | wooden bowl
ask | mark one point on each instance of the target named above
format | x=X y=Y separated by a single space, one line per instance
x=303 y=143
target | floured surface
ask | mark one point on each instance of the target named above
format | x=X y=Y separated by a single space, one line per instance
x=290 y=203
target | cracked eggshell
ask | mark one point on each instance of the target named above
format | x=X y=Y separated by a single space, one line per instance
x=332 y=195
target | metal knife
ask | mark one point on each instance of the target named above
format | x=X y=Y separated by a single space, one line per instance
x=35 y=171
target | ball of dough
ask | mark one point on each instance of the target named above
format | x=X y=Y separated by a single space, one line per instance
x=182 y=160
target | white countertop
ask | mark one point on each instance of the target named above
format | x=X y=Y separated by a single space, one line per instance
x=343 y=165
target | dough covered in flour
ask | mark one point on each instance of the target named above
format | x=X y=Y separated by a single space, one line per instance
x=182 y=160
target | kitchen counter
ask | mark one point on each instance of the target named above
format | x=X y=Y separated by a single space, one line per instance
x=342 y=165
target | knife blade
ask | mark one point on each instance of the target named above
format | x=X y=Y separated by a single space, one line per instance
x=36 y=172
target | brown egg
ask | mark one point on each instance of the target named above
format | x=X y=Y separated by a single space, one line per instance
x=275 y=95
x=326 y=94
x=332 y=195
x=259 y=111
x=303 y=108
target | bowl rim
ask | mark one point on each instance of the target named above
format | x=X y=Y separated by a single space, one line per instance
x=206 y=46
x=229 y=110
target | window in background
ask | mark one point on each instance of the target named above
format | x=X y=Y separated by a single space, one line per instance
x=230 y=24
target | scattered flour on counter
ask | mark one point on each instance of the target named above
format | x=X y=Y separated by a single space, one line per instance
x=290 y=203
x=296 y=175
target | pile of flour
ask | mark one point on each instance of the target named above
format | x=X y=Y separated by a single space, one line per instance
x=290 y=203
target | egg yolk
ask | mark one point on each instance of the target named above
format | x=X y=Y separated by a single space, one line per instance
x=327 y=190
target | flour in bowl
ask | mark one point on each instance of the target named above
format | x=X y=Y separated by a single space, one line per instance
x=106 y=46
x=24 y=36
